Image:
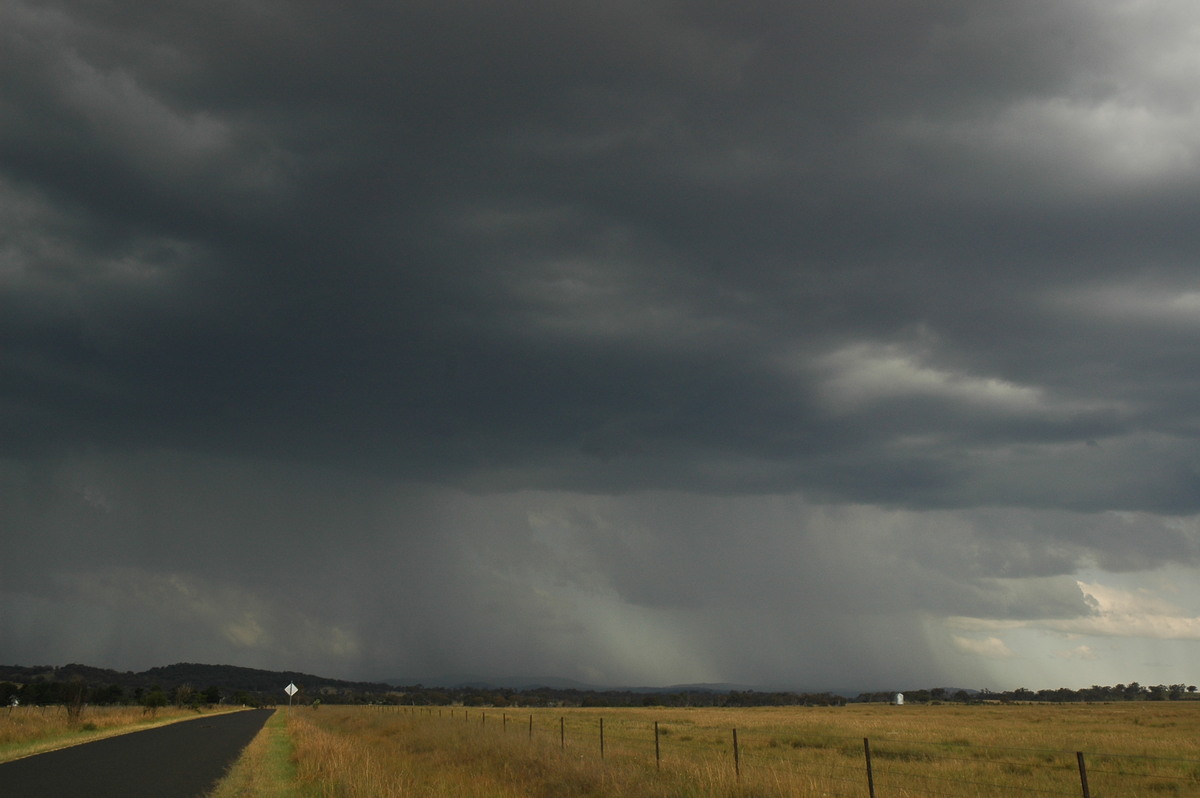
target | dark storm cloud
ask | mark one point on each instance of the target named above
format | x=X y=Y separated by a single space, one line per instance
x=381 y=134
x=262 y=262
x=469 y=237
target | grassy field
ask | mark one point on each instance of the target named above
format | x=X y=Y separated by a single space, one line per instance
x=1130 y=749
x=31 y=730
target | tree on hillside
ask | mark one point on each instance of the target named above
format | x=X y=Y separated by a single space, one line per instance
x=184 y=695
x=154 y=699
x=75 y=698
x=246 y=699
x=9 y=691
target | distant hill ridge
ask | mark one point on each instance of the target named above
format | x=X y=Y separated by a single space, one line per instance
x=168 y=677
x=253 y=684
x=51 y=684
x=233 y=677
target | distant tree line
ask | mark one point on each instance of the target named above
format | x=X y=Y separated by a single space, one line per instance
x=76 y=693
x=547 y=696
x=173 y=685
x=572 y=697
x=1120 y=692
x=79 y=685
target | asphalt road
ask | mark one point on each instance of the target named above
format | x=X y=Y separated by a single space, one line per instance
x=180 y=760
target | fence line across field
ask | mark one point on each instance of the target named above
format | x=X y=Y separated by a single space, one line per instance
x=882 y=767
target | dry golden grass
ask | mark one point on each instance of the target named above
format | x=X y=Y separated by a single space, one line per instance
x=1134 y=749
x=266 y=768
x=372 y=752
x=30 y=730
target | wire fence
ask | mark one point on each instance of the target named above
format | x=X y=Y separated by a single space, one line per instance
x=824 y=764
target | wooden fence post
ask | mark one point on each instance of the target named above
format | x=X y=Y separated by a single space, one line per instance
x=870 y=775
x=562 y=733
x=657 y=751
x=737 y=762
x=601 y=738
x=1083 y=774
x=531 y=727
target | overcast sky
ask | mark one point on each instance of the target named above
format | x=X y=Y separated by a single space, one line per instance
x=809 y=344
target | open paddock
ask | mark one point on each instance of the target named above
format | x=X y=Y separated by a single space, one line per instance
x=1127 y=749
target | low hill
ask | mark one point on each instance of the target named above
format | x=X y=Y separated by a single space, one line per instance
x=228 y=678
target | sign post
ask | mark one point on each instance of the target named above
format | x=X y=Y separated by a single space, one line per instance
x=291 y=690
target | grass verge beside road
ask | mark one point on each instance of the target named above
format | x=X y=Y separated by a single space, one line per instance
x=266 y=768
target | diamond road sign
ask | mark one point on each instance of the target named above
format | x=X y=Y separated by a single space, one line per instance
x=291 y=689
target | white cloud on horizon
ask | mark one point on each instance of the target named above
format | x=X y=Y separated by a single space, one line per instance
x=1080 y=652
x=987 y=647
x=1115 y=613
